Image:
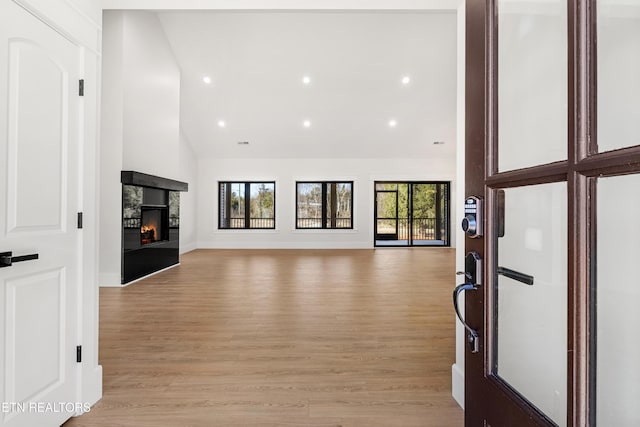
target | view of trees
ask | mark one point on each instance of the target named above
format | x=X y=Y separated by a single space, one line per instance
x=233 y=209
x=411 y=210
x=424 y=200
x=418 y=210
x=262 y=203
x=336 y=197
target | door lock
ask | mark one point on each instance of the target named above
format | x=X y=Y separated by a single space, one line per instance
x=472 y=221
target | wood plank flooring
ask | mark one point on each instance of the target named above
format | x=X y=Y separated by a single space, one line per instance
x=282 y=338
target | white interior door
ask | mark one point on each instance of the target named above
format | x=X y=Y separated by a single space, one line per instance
x=39 y=192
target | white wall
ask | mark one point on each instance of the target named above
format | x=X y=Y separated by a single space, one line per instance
x=457 y=370
x=151 y=98
x=188 y=200
x=286 y=172
x=140 y=119
x=111 y=137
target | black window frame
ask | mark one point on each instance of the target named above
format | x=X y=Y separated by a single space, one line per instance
x=247 y=206
x=325 y=215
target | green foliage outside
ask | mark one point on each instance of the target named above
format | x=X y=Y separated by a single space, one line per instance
x=424 y=201
x=261 y=202
x=310 y=200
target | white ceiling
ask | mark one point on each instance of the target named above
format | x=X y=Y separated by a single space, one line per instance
x=356 y=61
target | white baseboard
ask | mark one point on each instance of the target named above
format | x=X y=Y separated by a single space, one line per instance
x=109 y=280
x=457 y=384
x=283 y=245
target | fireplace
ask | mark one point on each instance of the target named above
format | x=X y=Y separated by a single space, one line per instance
x=154 y=224
x=150 y=224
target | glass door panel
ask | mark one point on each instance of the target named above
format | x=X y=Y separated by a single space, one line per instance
x=618 y=32
x=532 y=83
x=617 y=295
x=412 y=213
x=429 y=214
x=387 y=224
x=530 y=326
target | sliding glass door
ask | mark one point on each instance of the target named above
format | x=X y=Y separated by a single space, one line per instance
x=411 y=214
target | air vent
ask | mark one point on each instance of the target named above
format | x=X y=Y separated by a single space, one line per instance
x=438 y=142
x=243 y=142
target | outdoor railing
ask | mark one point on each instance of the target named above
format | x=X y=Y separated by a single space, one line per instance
x=254 y=223
x=317 y=223
x=423 y=228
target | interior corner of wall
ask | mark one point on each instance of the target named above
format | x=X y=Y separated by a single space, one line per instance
x=109 y=280
x=188 y=247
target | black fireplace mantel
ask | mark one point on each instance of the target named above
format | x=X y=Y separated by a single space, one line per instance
x=146 y=180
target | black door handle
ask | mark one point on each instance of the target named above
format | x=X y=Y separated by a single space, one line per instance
x=7 y=259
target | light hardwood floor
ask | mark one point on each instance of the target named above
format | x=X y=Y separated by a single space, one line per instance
x=282 y=338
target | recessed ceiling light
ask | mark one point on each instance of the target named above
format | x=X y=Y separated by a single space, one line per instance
x=306 y=123
x=306 y=80
x=406 y=80
x=438 y=142
x=207 y=80
x=393 y=123
x=221 y=123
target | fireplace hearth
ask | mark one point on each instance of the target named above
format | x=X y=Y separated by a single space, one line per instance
x=150 y=224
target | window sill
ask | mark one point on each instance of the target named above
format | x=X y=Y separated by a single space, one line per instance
x=247 y=230
x=326 y=230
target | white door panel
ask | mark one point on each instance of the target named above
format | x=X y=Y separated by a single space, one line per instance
x=38 y=138
x=39 y=193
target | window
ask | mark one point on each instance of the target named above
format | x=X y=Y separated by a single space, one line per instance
x=247 y=205
x=324 y=204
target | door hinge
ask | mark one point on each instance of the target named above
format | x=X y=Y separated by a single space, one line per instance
x=81 y=87
x=79 y=219
x=79 y=354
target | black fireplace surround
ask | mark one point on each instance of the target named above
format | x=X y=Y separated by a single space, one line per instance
x=150 y=224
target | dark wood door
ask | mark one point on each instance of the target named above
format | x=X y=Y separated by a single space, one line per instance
x=547 y=170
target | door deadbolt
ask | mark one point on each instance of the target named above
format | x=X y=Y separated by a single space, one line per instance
x=472 y=221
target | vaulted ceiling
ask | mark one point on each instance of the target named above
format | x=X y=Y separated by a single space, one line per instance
x=316 y=84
